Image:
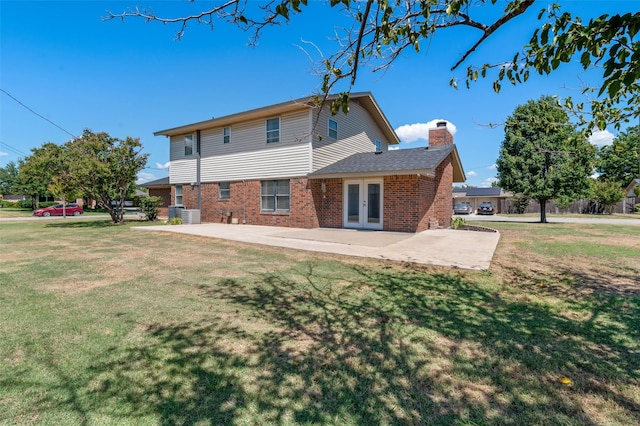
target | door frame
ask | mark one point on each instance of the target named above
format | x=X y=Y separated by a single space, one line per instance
x=363 y=223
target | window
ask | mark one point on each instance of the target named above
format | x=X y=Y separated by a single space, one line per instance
x=273 y=130
x=226 y=135
x=178 y=195
x=274 y=196
x=188 y=145
x=224 y=190
x=378 y=146
x=333 y=129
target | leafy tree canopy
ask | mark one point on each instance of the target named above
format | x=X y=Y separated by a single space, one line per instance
x=382 y=30
x=104 y=168
x=36 y=172
x=619 y=162
x=9 y=179
x=606 y=193
x=543 y=156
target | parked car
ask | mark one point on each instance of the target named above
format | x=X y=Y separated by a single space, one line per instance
x=486 y=208
x=462 y=208
x=71 y=209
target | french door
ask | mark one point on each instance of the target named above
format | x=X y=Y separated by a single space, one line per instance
x=363 y=203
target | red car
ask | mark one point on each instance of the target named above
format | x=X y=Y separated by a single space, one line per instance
x=71 y=209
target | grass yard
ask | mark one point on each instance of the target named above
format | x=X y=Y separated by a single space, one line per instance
x=103 y=325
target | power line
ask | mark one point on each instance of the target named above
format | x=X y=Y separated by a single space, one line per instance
x=13 y=149
x=39 y=115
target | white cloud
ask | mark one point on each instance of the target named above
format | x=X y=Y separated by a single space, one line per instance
x=393 y=147
x=471 y=173
x=145 y=177
x=412 y=132
x=601 y=137
x=161 y=166
x=487 y=182
x=493 y=166
x=2 y=154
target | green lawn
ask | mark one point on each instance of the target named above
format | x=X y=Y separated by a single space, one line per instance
x=100 y=324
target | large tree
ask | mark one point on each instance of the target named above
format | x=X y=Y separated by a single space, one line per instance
x=381 y=30
x=9 y=178
x=36 y=171
x=104 y=168
x=542 y=155
x=620 y=161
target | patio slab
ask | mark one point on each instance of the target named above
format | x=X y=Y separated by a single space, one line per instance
x=443 y=247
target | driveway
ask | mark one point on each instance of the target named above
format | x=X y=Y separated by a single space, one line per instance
x=443 y=247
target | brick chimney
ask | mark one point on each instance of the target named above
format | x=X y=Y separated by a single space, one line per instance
x=440 y=136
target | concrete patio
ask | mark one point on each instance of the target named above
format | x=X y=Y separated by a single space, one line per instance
x=443 y=247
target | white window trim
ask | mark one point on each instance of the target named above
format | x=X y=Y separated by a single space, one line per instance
x=378 y=145
x=329 y=129
x=273 y=130
x=226 y=136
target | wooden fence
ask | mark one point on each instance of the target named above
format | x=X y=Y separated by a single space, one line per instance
x=578 y=206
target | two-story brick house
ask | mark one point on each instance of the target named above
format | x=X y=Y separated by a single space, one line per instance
x=292 y=164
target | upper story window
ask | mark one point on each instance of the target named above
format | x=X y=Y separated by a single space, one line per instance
x=273 y=130
x=226 y=135
x=378 y=146
x=224 y=190
x=333 y=129
x=178 y=195
x=188 y=145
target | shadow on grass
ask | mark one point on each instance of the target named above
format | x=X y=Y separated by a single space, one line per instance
x=367 y=347
x=85 y=223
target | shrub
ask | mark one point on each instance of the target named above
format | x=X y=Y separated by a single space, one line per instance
x=638 y=208
x=25 y=204
x=8 y=204
x=457 y=222
x=150 y=206
x=175 y=221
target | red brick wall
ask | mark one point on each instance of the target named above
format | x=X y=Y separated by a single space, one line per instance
x=439 y=193
x=411 y=202
x=165 y=194
x=329 y=203
x=244 y=204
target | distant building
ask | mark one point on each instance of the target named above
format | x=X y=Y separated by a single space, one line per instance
x=475 y=196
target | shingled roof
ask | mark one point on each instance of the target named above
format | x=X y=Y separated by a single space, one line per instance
x=400 y=161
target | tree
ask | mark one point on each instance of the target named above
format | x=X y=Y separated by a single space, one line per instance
x=9 y=179
x=620 y=161
x=606 y=193
x=36 y=172
x=542 y=155
x=382 y=30
x=104 y=168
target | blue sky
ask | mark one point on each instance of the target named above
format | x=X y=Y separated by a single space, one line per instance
x=61 y=60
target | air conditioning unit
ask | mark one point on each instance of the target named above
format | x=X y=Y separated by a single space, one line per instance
x=175 y=211
x=190 y=216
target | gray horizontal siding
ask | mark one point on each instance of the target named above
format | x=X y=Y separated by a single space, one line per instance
x=182 y=171
x=275 y=162
x=357 y=132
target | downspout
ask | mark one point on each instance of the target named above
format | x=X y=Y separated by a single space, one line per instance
x=198 y=170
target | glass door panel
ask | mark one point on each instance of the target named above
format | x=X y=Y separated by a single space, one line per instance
x=373 y=203
x=353 y=203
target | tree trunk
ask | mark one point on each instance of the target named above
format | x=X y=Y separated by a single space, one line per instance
x=543 y=211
